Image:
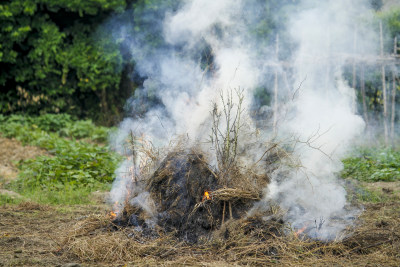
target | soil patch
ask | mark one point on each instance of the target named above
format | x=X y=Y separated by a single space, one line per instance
x=12 y=152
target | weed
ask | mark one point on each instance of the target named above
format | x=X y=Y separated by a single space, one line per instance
x=225 y=141
x=366 y=195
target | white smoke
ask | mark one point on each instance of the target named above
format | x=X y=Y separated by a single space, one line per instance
x=321 y=119
x=186 y=91
x=318 y=117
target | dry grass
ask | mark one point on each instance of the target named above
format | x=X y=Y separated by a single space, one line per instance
x=245 y=241
x=374 y=242
x=97 y=239
x=230 y=194
x=30 y=206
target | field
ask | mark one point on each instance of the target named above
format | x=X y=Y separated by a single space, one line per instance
x=55 y=226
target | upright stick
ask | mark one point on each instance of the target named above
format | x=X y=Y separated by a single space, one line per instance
x=354 y=71
x=394 y=88
x=364 y=98
x=276 y=85
x=385 y=113
x=393 y=105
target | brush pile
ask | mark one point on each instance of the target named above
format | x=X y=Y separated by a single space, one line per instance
x=185 y=196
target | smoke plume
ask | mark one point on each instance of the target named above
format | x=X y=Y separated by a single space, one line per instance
x=315 y=115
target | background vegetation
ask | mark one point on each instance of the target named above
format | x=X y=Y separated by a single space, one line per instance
x=77 y=162
x=58 y=56
x=52 y=60
x=62 y=68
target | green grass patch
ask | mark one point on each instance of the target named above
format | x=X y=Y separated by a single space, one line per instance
x=74 y=169
x=68 y=195
x=6 y=199
x=62 y=124
x=371 y=196
x=372 y=165
x=365 y=192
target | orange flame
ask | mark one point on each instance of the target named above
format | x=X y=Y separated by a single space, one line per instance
x=112 y=215
x=301 y=230
x=206 y=196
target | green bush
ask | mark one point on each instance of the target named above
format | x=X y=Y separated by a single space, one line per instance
x=372 y=165
x=72 y=170
x=52 y=60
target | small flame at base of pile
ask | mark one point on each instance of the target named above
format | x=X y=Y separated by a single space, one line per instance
x=301 y=230
x=112 y=215
x=115 y=211
x=206 y=196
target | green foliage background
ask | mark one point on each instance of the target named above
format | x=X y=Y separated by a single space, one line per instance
x=62 y=56
x=50 y=60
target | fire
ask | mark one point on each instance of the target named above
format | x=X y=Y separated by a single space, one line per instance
x=301 y=230
x=112 y=215
x=206 y=196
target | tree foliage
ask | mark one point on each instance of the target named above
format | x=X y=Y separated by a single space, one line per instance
x=58 y=56
x=50 y=60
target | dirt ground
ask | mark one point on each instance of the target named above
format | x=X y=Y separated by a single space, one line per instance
x=11 y=152
x=29 y=233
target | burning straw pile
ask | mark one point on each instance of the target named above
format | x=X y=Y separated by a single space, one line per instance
x=189 y=198
x=180 y=209
x=182 y=193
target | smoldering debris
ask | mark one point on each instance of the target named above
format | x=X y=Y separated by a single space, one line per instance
x=251 y=241
x=186 y=196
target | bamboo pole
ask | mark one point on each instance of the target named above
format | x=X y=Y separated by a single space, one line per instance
x=364 y=98
x=385 y=113
x=393 y=105
x=354 y=71
x=393 y=94
x=276 y=86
